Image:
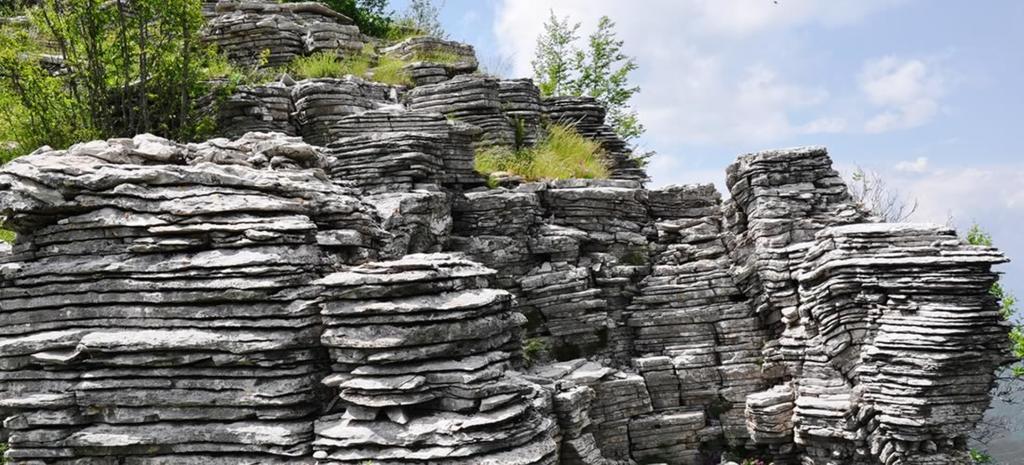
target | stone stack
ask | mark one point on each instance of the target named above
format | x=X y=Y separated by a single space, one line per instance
x=780 y=199
x=493 y=227
x=613 y=213
x=432 y=60
x=388 y=162
x=273 y=34
x=690 y=308
x=471 y=99
x=161 y=312
x=520 y=101
x=672 y=438
x=587 y=116
x=871 y=297
x=459 y=154
x=266 y=108
x=321 y=103
x=420 y=348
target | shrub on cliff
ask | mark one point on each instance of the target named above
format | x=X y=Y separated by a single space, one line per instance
x=561 y=154
x=124 y=68
x=601 y=71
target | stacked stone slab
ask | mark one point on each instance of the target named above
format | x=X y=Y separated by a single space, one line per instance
x=520 y=101
x=158 y=307
x=420 y=348
x=587 y=116
x=273 y=34
x=433 y=60
x=780 y=199
x=321 y=103
x=458 y=157
x=266 y=108
x=388 y=162
x=470 y=98
x=493 y=227
x=690 y=319
x=917 y=356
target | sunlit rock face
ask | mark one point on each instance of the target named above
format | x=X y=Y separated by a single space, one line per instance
x=331 y=282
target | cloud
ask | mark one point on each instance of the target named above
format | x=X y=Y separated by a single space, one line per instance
x=711 y=72
x=907 y=91
x=918 y=165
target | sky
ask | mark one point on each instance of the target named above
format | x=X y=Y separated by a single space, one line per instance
x=927 y=93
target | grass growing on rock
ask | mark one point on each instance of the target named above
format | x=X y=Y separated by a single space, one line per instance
x=386 y=70
x=561 y=154
x=6 y=236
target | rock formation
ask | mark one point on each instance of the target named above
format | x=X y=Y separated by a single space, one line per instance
x=332 y=283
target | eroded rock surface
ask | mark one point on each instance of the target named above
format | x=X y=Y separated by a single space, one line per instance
x=332 y=283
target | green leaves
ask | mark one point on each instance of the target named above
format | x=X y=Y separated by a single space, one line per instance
x=1007 y=303
x=601 y=70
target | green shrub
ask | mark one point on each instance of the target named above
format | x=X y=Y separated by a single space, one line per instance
x=133 y=67
x=561 y=154
x=534 y=350
x=7 y=236
x=326 y=64
x=980 y=458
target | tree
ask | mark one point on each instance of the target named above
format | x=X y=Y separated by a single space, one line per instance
x=870 y=190
x=601 y=70
x=424 y=17
x=552 y=66
x=371 y=16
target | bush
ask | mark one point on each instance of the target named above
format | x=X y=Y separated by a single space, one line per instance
x=561 y=154
x=534 y=350
x=131 y=67
x=7 y=236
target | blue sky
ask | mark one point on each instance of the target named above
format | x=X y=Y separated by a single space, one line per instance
x=927 y=93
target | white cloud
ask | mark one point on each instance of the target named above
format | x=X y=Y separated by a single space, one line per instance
x=907 y=91
x=918 y=165
x=707 y=72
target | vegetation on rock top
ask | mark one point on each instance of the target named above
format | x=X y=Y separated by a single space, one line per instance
x=562 y=153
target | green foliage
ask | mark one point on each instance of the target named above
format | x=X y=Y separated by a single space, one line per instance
x=561 y=154
x=388 y=69
x=1007 y=303
x=327 y=64
x=391 y=70
x=131 y=67
x=552 y=66
x=7 y=236
x=372 y=16
x=980 y=458
x=534 y=350
x=601 y=71
x=423 y=16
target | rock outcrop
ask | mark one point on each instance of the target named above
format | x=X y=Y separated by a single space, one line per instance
x=332 y=283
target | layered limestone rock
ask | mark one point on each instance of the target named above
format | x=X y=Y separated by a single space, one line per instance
x=158 y=306
x=471 y=99
x=432 y=60
x=366 y=299
x=273 y=34
x=587 y=116
x=899 y=336
x=421 y=349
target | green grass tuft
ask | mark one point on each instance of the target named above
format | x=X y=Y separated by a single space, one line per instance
x=562 y=154
x=7 y=236
x=391 y=70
